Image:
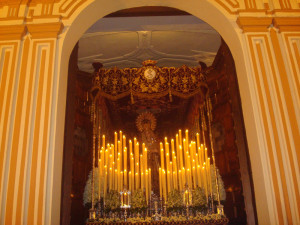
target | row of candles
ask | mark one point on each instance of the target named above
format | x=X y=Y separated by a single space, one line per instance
x=184 y=165
x=123 y=166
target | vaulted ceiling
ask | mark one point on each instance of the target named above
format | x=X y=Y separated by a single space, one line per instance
x=128 y=41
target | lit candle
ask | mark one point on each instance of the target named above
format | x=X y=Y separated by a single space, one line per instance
x=106 y=157
x=185 y=153
x=121 y=157
x=132 y=171
x=110 y=179
x=164 y=185
x=125 y=166
x=168 y=165
x=121 y=136
x=116 y=147
x=198 y=140
x=187 y=136
x=194 y=171
x=189 y=178
x=201 y=157
x=162 y=160
x=136 y=181
x=177 y=150
x=181 y=157
x=102 y=152
x=175 y=171
x=113 y=176
x=99 y=180
x=130 y=181
x=124 y=141
x=147 y=186
x=110 y=172
x=112 y=163
x=171 y=175
x=130 y=156
x=172 y=148
x=198 y=171
x=119 y=174
x=200 y=183
x=180 y=138
x=103 y=141
x=174 y=181
x=119 y=152
x=141 y=164
x=145 y=159
x=184 y=180
x=180 y=180
x=122 y=184
x=209 y=175
x=150 y=183
x=160 y=183
x=116 y=180
x=137 y=165
x=205 y=155
x=142 y=181
x=205 y=181
x=194 y=176
x=169 y=181
x=105 y=181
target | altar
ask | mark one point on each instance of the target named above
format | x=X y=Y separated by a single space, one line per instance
x=139 y=180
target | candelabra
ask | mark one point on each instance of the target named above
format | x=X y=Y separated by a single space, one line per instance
x=187 y=198
x=157 y=216
x=92 y=215
x=125 y=201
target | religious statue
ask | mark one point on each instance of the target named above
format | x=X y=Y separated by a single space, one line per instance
x=146 y=124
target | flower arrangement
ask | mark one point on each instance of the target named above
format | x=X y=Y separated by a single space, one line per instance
x=139 y=220
x=173 y=218
x=138 y=201
x=175 y=200
x=112 y=201
x=199 y=200
x=87 y=194
x=220 y=183
x=200 y=217
x=178 y=220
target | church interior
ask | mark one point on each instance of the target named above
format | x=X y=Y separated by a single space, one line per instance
x=170 y=38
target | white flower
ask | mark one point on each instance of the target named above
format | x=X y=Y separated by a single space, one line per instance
x=87 y=195
x=220 y=183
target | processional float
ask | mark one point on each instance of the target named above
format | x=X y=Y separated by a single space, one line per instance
x=189 y=182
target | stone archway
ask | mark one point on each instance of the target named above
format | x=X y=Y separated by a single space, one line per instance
x=205 y=10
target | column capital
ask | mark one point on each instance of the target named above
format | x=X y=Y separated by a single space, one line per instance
x=12 y=32
x=287 y=23
x=45 y=30
x=254 y=24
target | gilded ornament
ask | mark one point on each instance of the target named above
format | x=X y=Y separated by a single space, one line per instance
x=150 y=81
